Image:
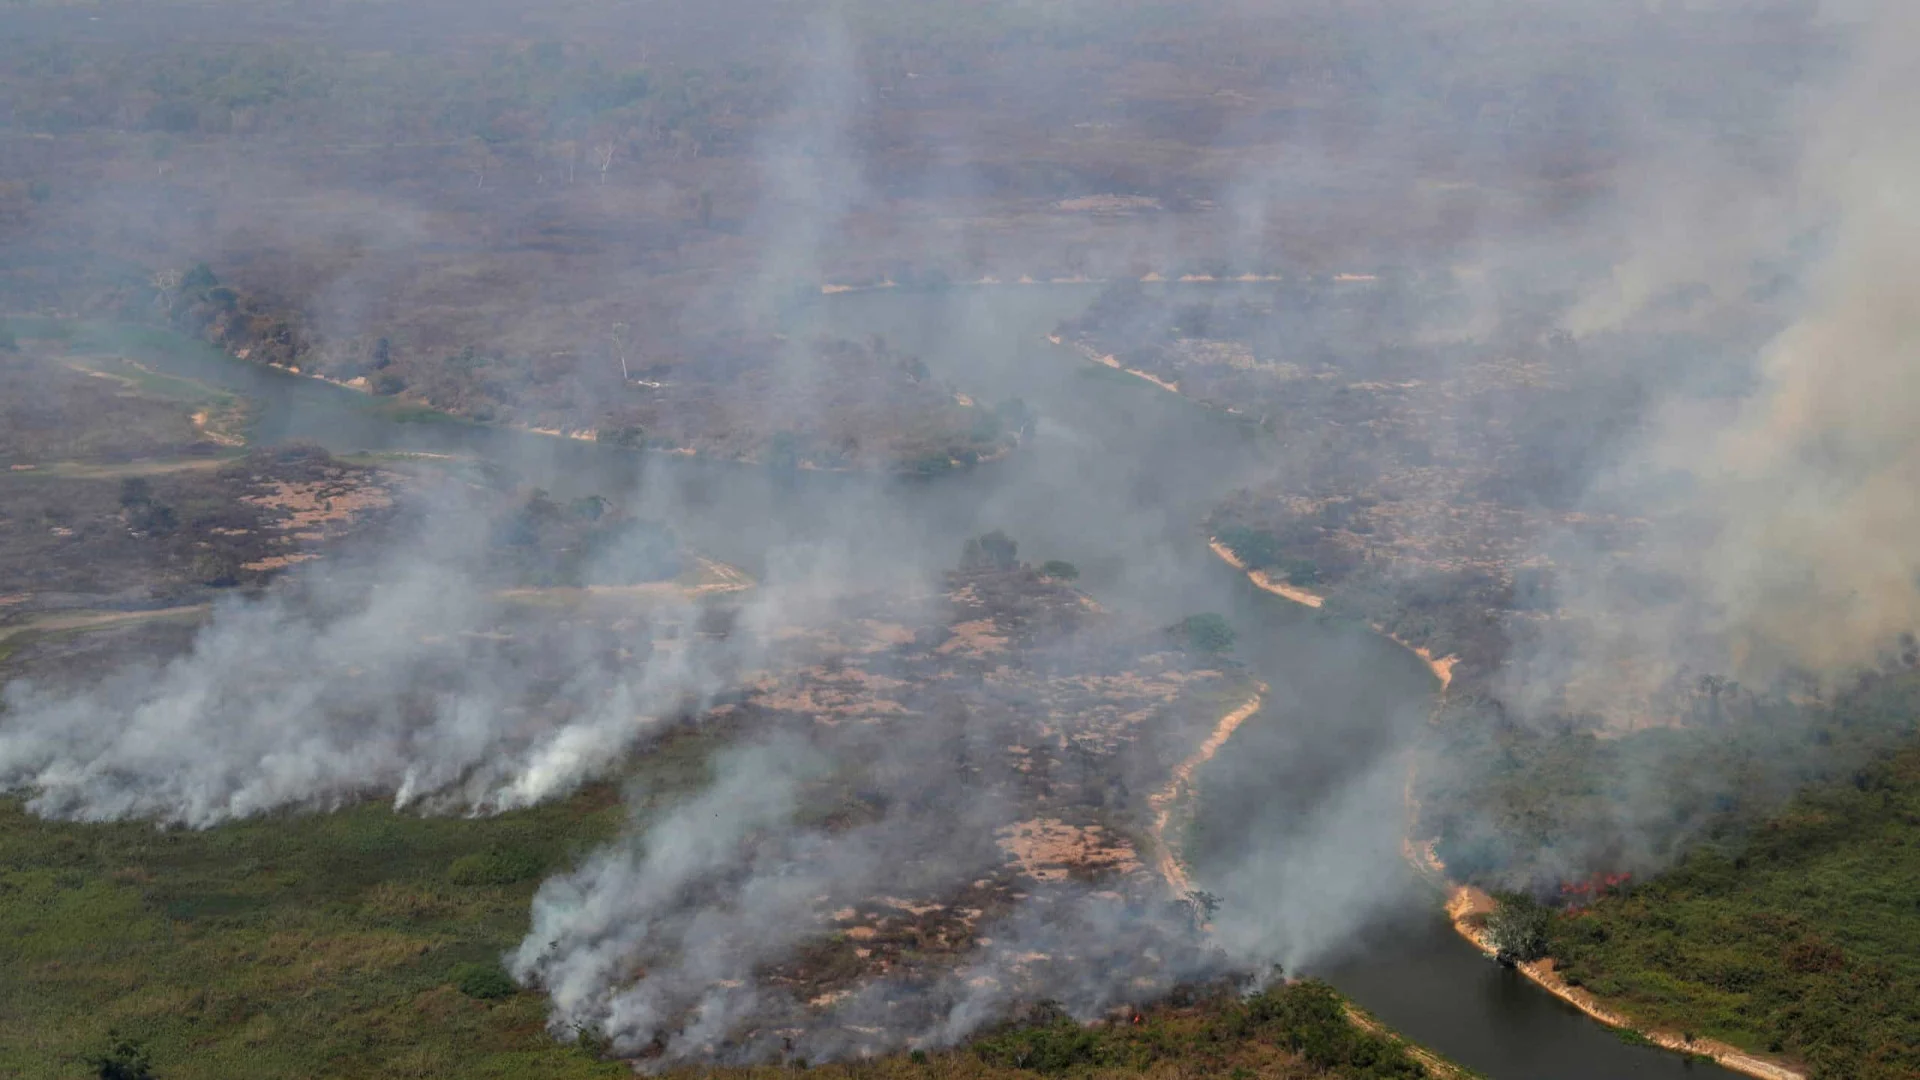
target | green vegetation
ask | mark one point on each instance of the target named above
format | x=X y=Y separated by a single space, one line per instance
x=366 y=942
x=1305 y=1020
x=1520 y=805
x=1060 y=569
x=587 y=542
x=1207 y=632
x=1800 y=939
x=1519 y=927
x=1262 y=550
x=487 y=982
x=124 y=1060
x=990 y=551
x=361 y=942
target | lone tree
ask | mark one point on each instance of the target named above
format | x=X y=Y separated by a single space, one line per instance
x=1059 y=569
x=990 y=551
x=1519 y=926
x=1201 y=907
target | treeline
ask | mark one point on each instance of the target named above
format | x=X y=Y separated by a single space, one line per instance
x=1535 y=804
x=1306 y=1021
x=1798 y=939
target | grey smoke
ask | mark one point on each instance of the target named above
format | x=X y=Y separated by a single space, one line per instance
x=1791 y=506
x=1777 y=504
x=385 y=677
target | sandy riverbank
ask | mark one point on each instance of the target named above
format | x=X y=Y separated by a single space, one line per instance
x=1265 y=580
x=1109 y=360
x=1467 y=908
x=1163 y=803
x=1441 y=666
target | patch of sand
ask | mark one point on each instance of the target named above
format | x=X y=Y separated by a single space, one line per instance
x=279 y=562
x=311 y=503
x=976 y=637
x=1048 y=849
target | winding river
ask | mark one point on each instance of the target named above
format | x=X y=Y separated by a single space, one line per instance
x=1115 y=479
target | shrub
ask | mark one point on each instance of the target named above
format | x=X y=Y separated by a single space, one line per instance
x=1255 y=548
x=484 y=982
x=1059 y=569
x=218 y=569
x=990 y=551
x=199 y=279
x=1519 y=927
x=125 y=1059
x=1309 y=1018
x=1053 y=1047
x=1207 y=632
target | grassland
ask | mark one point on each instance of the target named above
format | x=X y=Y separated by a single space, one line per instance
x=302 y=946
x=293 y=945
x=366 y=943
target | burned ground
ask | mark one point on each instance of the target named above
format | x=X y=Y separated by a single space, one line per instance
x=1000 y=737
x=569 y=231
x=1424 y=487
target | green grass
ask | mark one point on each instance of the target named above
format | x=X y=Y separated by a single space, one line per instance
x=1804 y=938
x=365 y=942
x=356 y=943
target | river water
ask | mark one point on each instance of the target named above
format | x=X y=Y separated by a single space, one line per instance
x=1116 y=479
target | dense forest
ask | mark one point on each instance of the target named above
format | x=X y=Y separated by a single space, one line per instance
x=1793 y=936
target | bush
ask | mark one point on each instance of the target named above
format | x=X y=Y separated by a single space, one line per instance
x=484 y=982
x=1310 y=1019
x=218 y=569
x=199 y=279
x=1059 y=569
x=990 y=551
x=125 y=1059
x=1050 y=1043
x=1257 y=549
x=1207 y=632
x=1519 y=928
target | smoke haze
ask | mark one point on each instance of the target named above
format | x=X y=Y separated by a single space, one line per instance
x=1768 y=463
